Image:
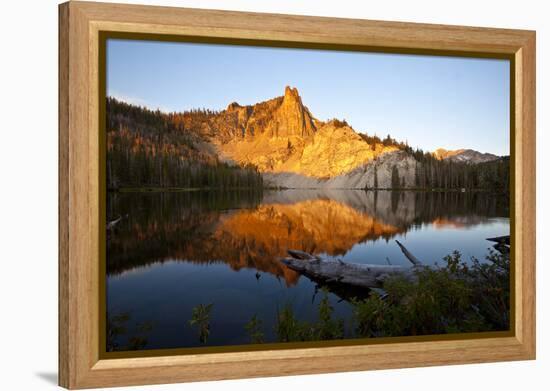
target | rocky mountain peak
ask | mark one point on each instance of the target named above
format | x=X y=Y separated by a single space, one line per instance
x=282 y=137
x=292 y=93
x=292 y=117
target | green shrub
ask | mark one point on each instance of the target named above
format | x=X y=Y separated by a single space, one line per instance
x=454 y=298
x=290 y=329
x=254 y=329
x=200 y=318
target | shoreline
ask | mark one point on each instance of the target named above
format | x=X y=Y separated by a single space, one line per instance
x=158 y=189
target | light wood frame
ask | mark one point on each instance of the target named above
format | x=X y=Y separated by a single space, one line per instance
x=80 y=365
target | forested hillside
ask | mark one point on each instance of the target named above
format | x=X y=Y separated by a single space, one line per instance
x=277 y=143
x=434 y=172
x=448 y=174
x=151 y=149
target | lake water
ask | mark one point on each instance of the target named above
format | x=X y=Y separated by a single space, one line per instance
x=175 y=251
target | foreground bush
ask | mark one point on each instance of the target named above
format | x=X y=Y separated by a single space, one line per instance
x=454 y=298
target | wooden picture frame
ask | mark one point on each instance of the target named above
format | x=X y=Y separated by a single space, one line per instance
x=80 y=242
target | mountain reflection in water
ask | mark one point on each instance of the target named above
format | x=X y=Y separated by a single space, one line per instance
x=172 y=252
x=254 y=229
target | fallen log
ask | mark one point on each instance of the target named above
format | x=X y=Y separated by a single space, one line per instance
x=502 y=243
x=500 y=239
x=369 y=276
x=355 y=274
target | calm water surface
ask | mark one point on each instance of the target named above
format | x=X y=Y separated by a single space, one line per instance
x=174 y=251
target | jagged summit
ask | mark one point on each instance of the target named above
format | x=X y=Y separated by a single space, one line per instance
x=293 y=118
x=292 y=94
x=280 y=117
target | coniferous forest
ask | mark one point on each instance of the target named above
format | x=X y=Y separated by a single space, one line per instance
x=432 y=172
x=152 y=149
x=447 y=174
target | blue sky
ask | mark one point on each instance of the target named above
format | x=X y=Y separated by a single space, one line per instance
x=429 y=101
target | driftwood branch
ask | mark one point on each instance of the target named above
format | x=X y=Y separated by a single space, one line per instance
x=408 y=254
x=354 y=274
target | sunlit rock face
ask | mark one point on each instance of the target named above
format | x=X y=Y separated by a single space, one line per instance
x=337 y=150
x=292 y=118
x=293 y=149
x=281 y=117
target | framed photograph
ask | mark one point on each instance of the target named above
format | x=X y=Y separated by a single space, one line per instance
x=246 y=195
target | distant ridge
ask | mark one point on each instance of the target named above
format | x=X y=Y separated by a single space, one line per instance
x=464 y=155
